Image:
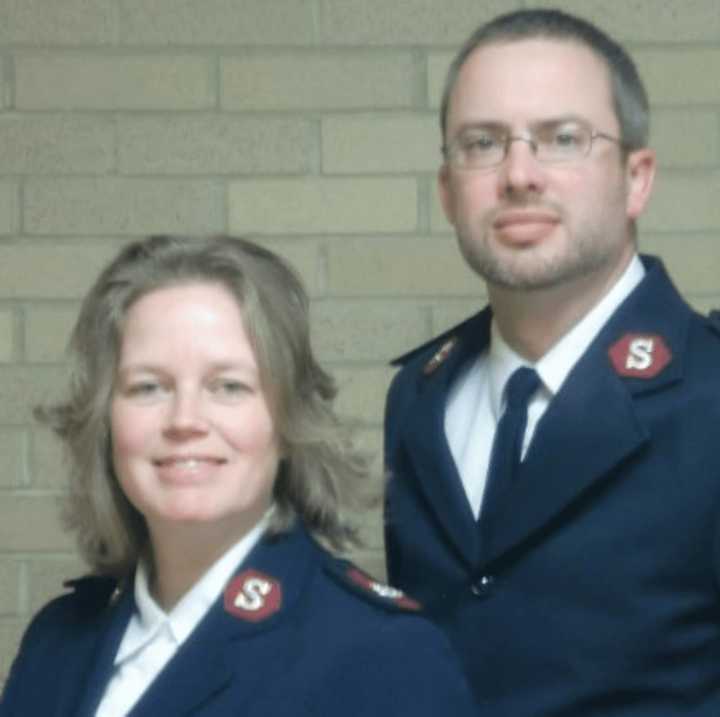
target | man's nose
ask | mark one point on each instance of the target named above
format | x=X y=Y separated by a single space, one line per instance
x=520 y=171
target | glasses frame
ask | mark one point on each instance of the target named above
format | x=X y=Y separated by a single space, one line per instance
x=447 y=148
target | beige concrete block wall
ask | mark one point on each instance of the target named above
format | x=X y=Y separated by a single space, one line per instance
x=307 y=124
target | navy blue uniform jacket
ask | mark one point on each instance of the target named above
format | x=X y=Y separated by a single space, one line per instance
x=594 y=590
x=331 y=647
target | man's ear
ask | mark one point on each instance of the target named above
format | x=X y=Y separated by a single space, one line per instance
x=445 y=191
x=641 y=166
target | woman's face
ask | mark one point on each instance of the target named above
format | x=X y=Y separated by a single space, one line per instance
x=193 y=441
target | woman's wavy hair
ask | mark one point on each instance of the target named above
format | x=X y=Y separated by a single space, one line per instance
x=320 y=474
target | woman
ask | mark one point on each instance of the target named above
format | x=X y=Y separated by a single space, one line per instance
x=206 y=466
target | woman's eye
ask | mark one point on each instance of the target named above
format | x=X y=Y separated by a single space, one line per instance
x=229 y=388
x=143 y=389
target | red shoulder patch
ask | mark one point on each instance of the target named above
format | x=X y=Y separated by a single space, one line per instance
x=253 y=596
x=640 y=355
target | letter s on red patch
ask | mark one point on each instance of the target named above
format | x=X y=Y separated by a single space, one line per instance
x=640 y=355
x=253 y=596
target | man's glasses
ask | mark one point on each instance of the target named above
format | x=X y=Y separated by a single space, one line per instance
x=486 y=146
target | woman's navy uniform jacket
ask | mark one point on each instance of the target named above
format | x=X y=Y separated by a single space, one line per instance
x=297 y=632
x=594 y=590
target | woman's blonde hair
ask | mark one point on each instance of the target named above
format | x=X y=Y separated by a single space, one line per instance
x=319 y=472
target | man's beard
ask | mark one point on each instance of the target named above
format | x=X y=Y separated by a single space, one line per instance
x=581 y=254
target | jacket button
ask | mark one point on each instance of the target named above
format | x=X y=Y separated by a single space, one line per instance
x=482 y=586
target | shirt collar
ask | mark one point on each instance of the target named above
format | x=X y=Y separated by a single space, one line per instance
x=557 y=363
x=554 y=367
x=502 y=363
x=150 y=619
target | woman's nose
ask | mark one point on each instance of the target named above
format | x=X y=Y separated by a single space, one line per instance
x=186 y=415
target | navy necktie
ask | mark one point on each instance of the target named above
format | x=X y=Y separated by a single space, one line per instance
x=507 y=446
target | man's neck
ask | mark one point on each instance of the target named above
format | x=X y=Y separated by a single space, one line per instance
x=533 y=321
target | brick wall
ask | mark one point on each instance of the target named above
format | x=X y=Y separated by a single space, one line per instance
x=307 y=124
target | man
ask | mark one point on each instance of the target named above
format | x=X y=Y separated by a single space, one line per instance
x=580 y=576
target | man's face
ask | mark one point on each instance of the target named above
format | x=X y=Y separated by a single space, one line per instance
x=531 y=225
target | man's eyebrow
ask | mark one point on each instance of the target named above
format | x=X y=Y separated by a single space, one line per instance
x=478 y=124
x=560 y=119
x=481 y=124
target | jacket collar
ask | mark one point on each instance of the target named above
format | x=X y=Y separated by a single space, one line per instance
x=210 y=660
x=424 y=433
x=555 y=472
x=599 y=408
x=260 y=598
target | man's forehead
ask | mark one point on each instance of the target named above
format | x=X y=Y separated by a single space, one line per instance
x=546 y=76
x=527 y=49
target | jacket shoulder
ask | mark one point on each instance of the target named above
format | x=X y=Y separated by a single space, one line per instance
x=85 y=598
x=49 y=642
x=379 y=647
x=704 y=335
x=714 y=320
x=435 y=344
x=356 y=582
x=93 y=593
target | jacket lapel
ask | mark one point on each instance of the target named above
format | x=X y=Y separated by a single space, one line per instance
x=105 y=636
x=596 y=421
x=425 y=443
x=228 y=654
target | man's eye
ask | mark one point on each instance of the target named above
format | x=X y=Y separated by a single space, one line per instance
x=565 y=137
x=479 y=143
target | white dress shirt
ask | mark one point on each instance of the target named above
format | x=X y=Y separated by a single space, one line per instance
x=153 y=636
x=474 y=403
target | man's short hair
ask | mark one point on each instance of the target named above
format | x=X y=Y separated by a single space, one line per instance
x=628 y=92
